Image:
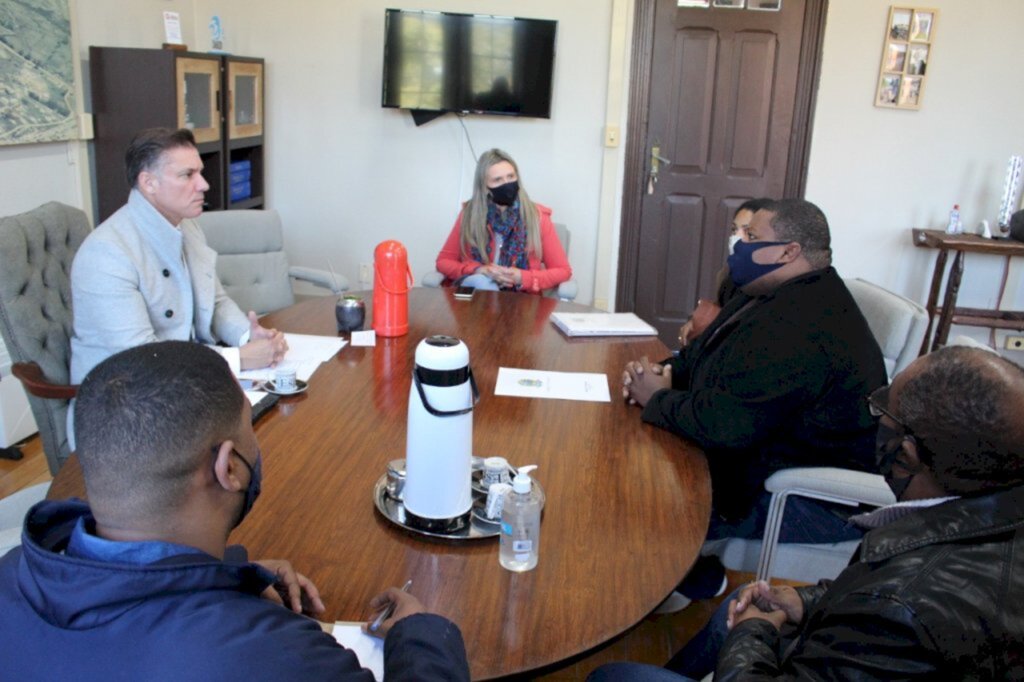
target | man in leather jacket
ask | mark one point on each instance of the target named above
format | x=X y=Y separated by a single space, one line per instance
x=936 y=589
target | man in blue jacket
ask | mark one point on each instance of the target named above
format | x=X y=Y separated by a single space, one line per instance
x=139 y=583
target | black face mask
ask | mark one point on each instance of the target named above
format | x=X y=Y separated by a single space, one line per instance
x=505 y=195
x=252 y=491
x=888 y=443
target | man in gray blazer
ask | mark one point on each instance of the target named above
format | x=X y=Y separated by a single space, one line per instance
x=146 y=273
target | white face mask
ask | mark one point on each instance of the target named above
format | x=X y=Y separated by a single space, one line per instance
x=732 y=243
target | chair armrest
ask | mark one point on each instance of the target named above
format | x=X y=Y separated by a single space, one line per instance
x=31 y=376
x=432 y=279
x=321 y=278
x=834 y=483
x=843 y=486
x=567 y=290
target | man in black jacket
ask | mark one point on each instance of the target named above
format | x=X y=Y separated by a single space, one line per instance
x=139 y=584
x=777 y=380
x=936 y=590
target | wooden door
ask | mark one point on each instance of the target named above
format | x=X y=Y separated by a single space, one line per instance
x=721 y=100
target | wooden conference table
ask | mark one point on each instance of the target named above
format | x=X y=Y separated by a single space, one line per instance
x=627 y=503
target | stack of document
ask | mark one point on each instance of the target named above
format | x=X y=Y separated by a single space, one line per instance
x=305 y=353
x=602 y=324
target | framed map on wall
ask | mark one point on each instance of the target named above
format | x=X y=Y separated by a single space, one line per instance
x=37 y=79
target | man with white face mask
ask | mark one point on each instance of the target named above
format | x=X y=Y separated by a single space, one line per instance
x=777 y=380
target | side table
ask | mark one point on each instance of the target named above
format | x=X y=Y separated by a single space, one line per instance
x=949 y=314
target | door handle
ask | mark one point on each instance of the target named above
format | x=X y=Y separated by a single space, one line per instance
x=656 y=160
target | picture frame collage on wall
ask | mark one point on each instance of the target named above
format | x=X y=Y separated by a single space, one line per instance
x=906 y=53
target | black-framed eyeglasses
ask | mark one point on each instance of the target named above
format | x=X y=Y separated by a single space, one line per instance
x=878 y=406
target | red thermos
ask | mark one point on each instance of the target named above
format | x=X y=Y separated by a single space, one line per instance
x=391 y=282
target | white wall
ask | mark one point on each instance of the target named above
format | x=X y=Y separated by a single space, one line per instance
x=31 y=175
x=879 y=172
x=346 y=173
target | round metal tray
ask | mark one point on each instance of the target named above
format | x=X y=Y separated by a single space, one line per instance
x=394 y=511
x=477 y=529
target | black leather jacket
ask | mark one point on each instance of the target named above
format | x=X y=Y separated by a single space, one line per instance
x=937 y=594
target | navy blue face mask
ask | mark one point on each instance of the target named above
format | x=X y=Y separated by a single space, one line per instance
x=505 y=195
x=252 y=491
x=742 y=268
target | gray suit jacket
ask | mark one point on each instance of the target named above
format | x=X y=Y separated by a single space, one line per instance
x=138 y=279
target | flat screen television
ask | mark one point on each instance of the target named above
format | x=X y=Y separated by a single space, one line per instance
x=468 y=63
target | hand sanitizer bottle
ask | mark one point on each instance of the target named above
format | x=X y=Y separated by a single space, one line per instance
x=520 y=524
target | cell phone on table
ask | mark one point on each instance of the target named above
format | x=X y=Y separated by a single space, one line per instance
x=464 y=293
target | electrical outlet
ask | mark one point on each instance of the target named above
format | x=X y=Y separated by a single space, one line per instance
x=611 y=136
x=1015 y=342
x=365 y=273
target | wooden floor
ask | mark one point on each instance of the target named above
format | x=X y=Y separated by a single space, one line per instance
x=32 y=469
x=653 y=640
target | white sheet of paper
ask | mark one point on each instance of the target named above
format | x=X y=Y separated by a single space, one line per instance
x=369 y=650
x=535 y=383
x=172 y=27
x=305 y=353
x=365 y=338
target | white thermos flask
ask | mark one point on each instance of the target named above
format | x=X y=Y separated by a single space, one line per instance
x=439 y=443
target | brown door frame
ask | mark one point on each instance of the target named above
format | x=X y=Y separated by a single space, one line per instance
x=636 y=138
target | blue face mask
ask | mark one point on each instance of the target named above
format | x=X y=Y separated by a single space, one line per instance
x=742 y=268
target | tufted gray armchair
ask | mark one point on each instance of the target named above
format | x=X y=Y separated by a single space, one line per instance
x=251 y=262
x=36 y=249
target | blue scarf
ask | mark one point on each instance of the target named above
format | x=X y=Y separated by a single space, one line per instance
x=509 y=228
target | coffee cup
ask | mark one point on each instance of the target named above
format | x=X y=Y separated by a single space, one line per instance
x=495 y=471
x=284 y=380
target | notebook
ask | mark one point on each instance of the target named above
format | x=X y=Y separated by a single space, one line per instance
x=602 y=324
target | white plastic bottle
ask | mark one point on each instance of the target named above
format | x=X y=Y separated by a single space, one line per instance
x=954 y=221
x=520 y=524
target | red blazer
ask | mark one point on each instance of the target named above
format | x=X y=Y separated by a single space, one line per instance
x=546 y=274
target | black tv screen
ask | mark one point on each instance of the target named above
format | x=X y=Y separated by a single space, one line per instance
x=470 y=63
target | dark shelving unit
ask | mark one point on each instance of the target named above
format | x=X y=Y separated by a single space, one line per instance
x=220 y=97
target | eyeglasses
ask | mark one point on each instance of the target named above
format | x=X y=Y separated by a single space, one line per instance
x=878 y=406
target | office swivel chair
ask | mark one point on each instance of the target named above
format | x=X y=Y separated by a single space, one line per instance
x=252 y=264
x=898 y=325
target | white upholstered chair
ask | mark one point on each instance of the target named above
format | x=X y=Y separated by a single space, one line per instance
x=898 y=324
x=566 y=290
x=251 y=261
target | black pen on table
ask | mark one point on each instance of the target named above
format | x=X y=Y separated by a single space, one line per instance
x=386 y=613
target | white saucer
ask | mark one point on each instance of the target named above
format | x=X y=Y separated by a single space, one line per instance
x=269 y=387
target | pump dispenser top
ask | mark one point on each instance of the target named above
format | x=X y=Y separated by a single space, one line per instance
x=522 y=483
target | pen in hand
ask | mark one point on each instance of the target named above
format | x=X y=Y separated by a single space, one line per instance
x=386 y=613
